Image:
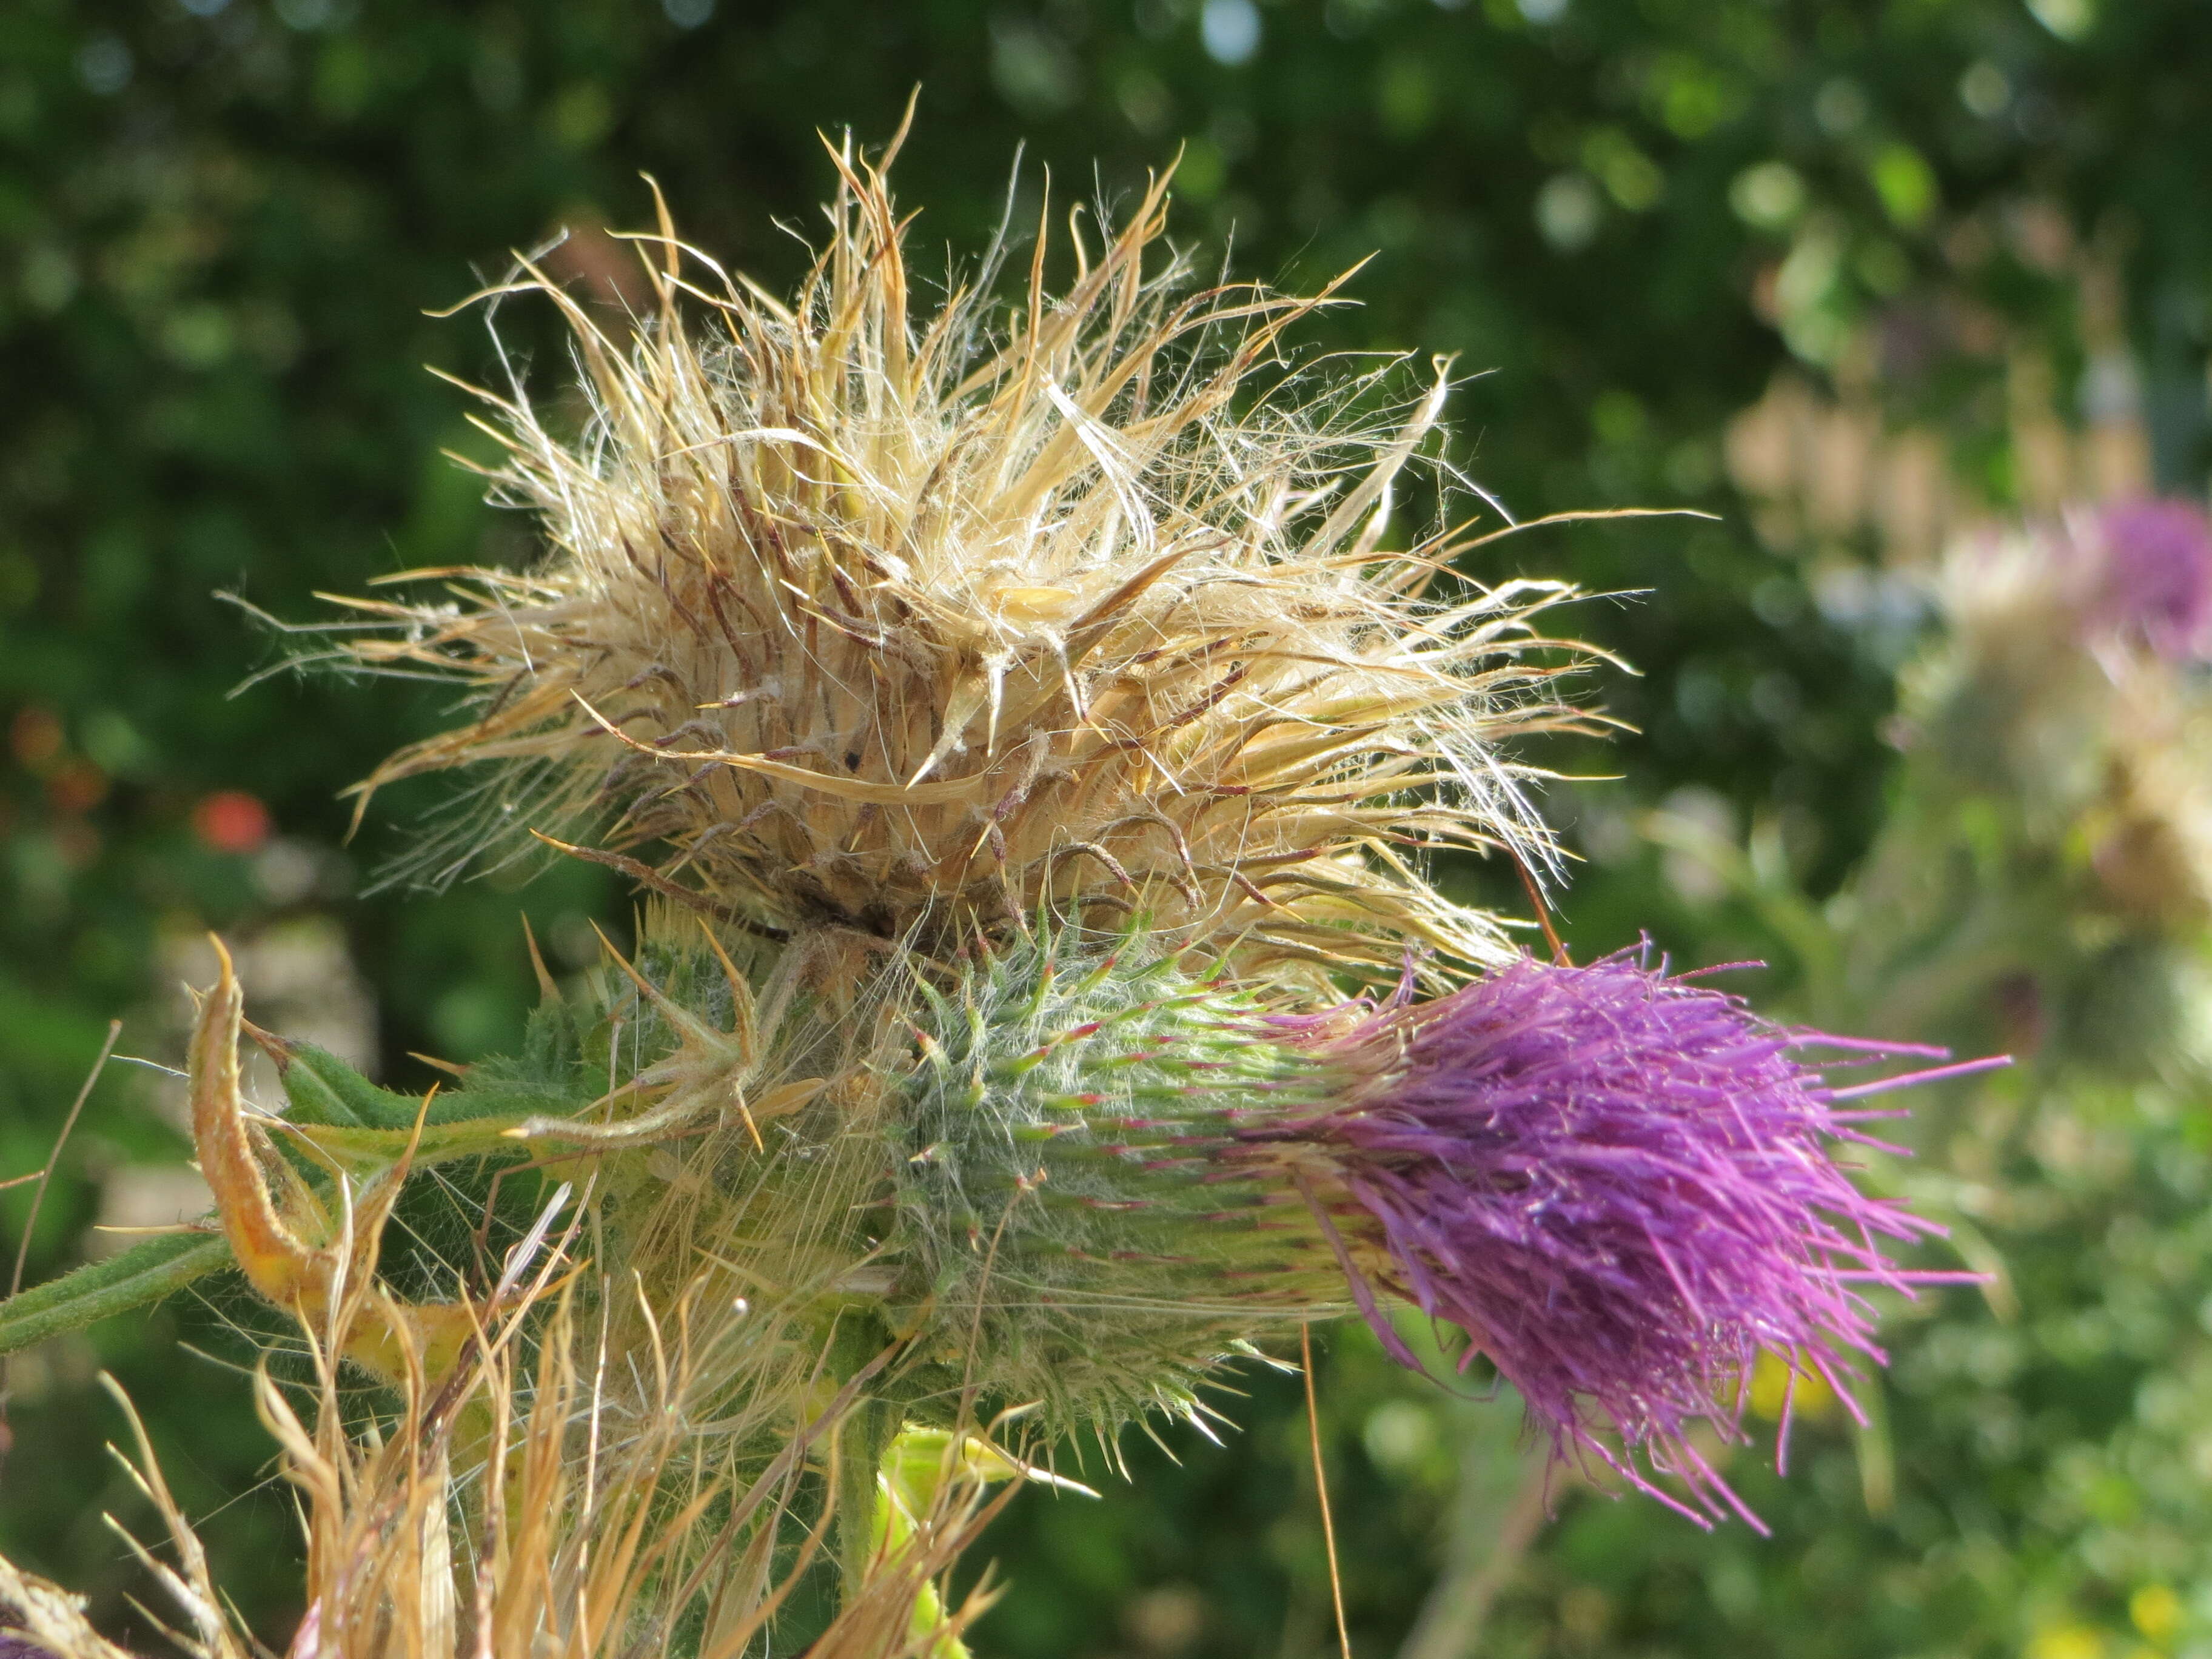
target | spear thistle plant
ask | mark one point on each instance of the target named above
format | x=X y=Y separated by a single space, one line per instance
x=1027 y=738
x=2046 y=872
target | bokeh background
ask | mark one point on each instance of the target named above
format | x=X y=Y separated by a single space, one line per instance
x=1851 y=277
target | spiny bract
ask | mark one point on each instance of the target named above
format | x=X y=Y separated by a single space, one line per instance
x=1071 y=1202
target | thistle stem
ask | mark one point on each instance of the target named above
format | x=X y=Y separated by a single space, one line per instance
x=865 y=1436
x=145 y=1273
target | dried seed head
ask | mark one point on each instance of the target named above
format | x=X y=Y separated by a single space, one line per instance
x=914 y=625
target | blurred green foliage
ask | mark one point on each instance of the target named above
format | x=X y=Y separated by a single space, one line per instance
x=222 y=223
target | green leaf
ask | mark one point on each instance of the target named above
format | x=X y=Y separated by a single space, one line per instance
x=323 y=1090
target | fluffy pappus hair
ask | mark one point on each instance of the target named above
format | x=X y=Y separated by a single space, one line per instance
x=859 y=618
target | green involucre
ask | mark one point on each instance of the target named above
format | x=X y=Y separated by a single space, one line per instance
x=1091 y=1234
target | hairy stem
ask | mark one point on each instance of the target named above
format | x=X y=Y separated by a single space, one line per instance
x=145 y=1273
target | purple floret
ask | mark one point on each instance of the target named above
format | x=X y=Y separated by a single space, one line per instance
x=1621 y=1187
x=2156 y=580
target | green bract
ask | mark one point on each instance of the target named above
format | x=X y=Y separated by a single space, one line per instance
x=1062 y=1189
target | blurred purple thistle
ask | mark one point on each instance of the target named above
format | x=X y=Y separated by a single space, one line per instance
x=1621 y=1187
x=2155 y=575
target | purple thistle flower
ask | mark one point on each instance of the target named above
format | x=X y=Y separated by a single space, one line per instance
x=2155 y=575
x=1620 y=1185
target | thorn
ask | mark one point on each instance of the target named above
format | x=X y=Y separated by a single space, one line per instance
x=1535 y=892
x=741 y=998
x=282 y=1050
x=751 y=1128
x=548 y=991
x=693 y=1028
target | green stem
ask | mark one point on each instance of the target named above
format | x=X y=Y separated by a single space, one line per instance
x=145 y=1273
x=866 y=1435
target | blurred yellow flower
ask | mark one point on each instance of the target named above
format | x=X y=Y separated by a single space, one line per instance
x=1770 y=1387
x=2068 y=1642
x=2155 y=1611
